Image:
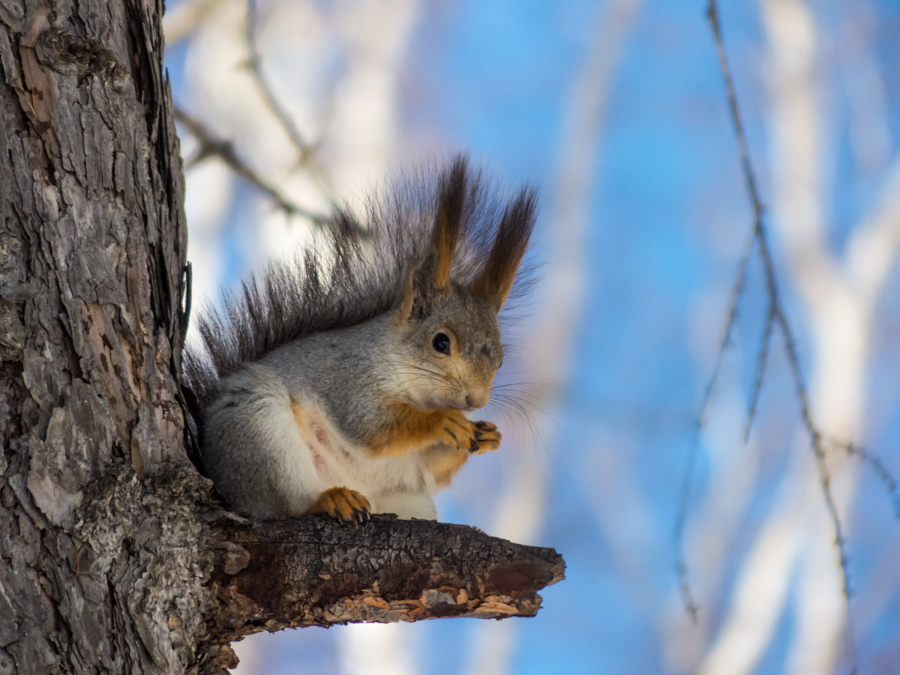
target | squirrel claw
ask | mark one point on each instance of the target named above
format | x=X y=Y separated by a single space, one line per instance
x=342 y=504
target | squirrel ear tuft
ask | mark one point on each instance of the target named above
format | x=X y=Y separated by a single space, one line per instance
x=495 y=281
x=431 y=278
x=449 y=222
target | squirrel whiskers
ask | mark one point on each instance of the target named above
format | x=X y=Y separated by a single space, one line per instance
x=339 y=383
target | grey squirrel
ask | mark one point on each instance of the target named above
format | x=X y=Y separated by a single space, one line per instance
x=340 y=383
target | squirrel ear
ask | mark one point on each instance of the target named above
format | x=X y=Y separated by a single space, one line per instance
x=495 y=281
x=409 y=297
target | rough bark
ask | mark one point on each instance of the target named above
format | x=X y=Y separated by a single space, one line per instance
x=113 y=555
x=92 y=247
x=315 y=572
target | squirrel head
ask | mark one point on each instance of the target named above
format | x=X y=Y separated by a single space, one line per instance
x=450 y=328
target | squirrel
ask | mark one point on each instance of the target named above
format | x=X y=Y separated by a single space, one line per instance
x=341 y=383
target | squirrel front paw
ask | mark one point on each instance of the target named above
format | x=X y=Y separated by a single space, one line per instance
x=486 y=437
x=475 y=437
x=457 y=430
x=342 y=504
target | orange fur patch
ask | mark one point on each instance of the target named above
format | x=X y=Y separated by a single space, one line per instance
x=445 y=463
x=311 y=426
x=405 y=428
x=317 y=438
x=409 y=428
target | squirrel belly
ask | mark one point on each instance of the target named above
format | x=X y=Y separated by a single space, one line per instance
x=271 y=454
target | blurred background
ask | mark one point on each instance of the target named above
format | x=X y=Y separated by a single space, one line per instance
x=617 y=110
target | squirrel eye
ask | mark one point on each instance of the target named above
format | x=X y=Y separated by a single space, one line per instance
x=441 y=343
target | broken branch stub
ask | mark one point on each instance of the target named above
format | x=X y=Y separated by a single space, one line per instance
x=314 y=571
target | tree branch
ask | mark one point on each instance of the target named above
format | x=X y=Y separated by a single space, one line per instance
x=313 y=571
x=306 y=151
x=205 y=577
x=224 y=150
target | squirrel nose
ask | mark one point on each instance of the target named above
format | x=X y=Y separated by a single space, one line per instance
x=475 y=401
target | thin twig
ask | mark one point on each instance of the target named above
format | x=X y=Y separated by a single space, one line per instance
x=305 y=150
x=687 y=480
x=890 y=483
x=730 y=322
x=684 y=583
x=210 y=144
x=761 y=364
x=776 y=317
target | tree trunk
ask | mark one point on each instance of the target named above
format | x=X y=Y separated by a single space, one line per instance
x=92 y=247
x=115 y=557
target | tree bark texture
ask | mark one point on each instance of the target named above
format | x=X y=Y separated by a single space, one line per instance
x=114 y=556
x=92 y=248
x=315 y=572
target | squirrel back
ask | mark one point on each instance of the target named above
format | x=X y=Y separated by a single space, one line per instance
x=367 y=347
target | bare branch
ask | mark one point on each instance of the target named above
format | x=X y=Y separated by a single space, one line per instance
x=776 y=317
x=314 y=571
x=761 y=363
x=736 y=293
x=306 y=151
x=210 y=144
x=871 y=254
x=881 y=471
x=776 y=314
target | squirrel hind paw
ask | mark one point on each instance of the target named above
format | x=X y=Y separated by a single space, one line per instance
x=343 y=504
